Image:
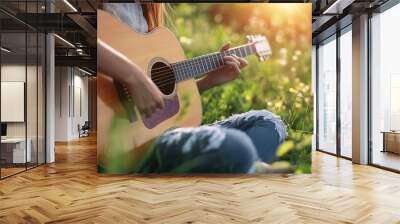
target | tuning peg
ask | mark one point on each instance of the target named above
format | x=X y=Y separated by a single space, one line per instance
x=263 y=57
x=250 y=38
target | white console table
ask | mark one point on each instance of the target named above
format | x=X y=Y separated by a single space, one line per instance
x=18 y=149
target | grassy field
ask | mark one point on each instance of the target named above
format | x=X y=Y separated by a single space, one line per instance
x=281 y=85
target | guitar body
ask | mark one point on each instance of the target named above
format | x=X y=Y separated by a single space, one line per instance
x=124 y=137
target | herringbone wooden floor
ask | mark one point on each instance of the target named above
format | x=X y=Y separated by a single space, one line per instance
x=70 y=191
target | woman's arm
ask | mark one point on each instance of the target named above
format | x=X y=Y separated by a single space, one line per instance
x=146 y=95
x=228 y=72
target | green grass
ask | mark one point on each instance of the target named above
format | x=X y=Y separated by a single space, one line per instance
x=281 y=85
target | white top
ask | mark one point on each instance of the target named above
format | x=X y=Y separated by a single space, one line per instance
x=129 y=13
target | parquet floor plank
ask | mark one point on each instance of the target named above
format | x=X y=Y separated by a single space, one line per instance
x=71 y=191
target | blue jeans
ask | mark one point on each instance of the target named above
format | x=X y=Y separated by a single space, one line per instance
x=228 y=146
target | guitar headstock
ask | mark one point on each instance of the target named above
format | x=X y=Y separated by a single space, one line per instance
x=261 y=46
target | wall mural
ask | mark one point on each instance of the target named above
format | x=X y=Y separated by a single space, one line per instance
x=204 y=88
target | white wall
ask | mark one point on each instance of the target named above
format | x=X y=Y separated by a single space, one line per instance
x=81 y=82
x=16 y=73
x=62 y=81
x=71 y=94
x=12 y=101
x=33 y=126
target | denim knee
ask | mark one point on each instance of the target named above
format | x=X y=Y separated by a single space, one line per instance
x=269 y=119
x=267 y=134
x=254 y=118
x=239 y=152
x=265 y=129
x=204 y=149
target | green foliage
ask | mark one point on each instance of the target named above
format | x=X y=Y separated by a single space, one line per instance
x=297 y=150
x=282 y=84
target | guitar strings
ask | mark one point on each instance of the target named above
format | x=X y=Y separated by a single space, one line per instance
x=182 y=65
x=176 y=68
x=159 y=75
x=160 y=80
x=166 y=81
x=218 y=54
x=163 y=81
x=179 y=69
x=185 y=66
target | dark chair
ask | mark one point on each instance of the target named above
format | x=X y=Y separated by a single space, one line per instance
x=84 y=130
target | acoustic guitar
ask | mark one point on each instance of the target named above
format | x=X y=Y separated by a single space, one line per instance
x=124 y=136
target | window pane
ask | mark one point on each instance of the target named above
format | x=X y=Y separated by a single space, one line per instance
x=346 y=94
x=327 y=97
x=14 y=153
x=386 y=89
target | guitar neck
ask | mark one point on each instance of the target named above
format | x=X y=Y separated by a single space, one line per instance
x=201 y=65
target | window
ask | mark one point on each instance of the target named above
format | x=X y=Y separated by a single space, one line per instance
x=327 y=96
x=22 y=88
x=346 y=92
x=385 y=89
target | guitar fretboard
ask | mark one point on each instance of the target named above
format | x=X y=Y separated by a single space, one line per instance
x=201 y=65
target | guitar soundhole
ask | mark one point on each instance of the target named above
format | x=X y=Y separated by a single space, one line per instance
x=163 y=76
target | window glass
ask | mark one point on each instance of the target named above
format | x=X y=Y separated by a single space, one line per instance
x=385 y=85
x=346 y=94
x=22 y=90
x=327 y=96
x=15 y=149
